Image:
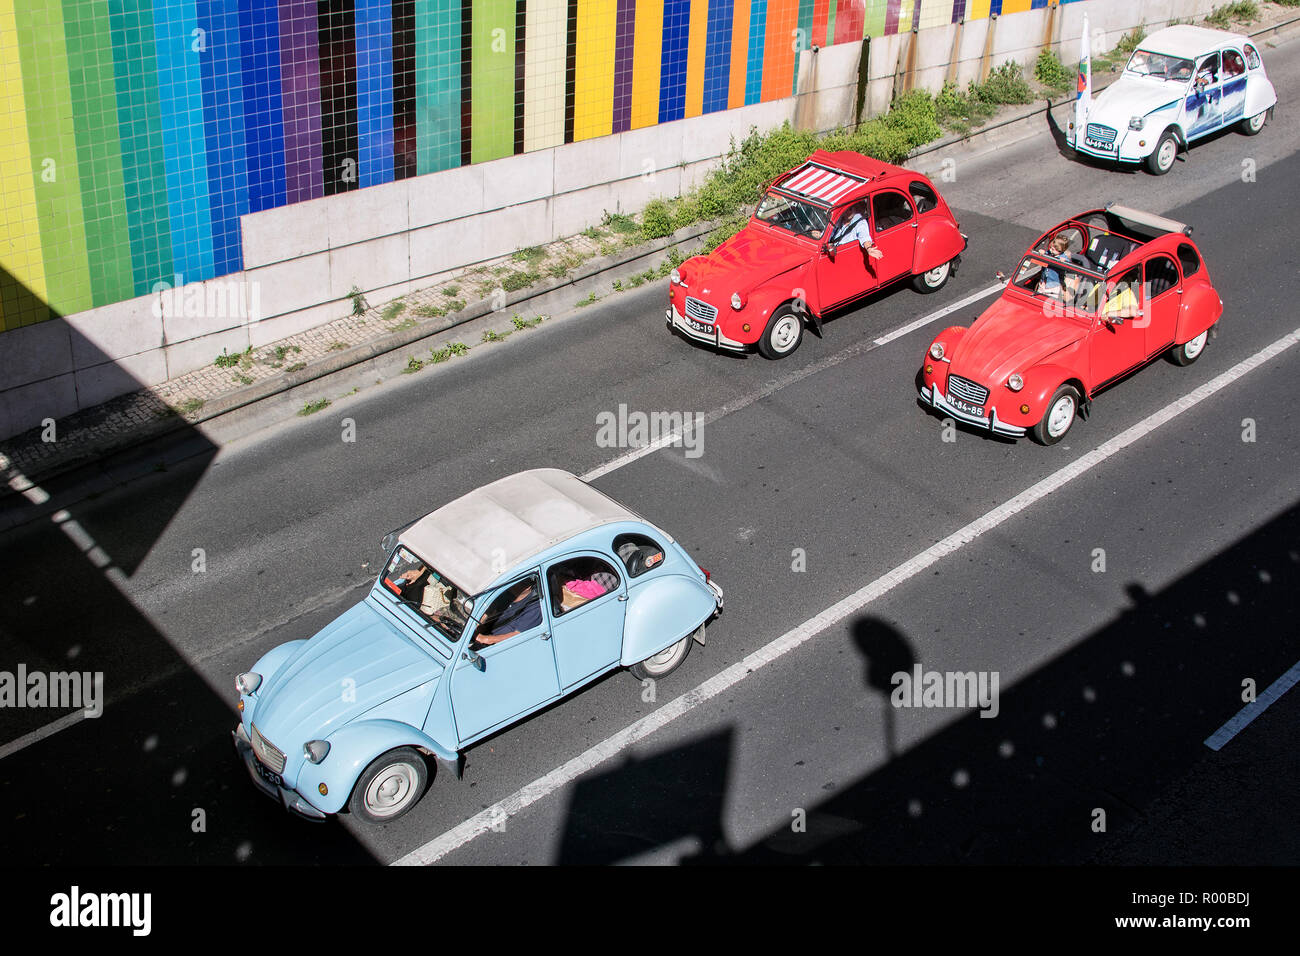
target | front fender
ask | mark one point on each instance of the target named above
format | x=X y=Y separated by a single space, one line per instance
x=352 y=748
x=661 y=612
x=267 y=665
x=1041 y=383
x=937 y=241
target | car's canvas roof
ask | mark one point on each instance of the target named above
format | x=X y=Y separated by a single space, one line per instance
x=1189 y=41
x=478 y=537
x=833 y=177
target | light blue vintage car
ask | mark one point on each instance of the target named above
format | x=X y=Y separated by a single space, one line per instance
x=488 y=609
x=1181 y=84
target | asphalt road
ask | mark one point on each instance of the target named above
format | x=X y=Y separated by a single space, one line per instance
x=1110 y=681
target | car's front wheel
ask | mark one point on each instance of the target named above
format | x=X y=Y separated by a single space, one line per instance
x=390 y=786
x=667 y=660
x=783 y=334
x=1060 y=415
x=1162 y=158
x=934 y=280
x=1191 y=350
x=1253 y=124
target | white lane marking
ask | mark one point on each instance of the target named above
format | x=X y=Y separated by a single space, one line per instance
x=771 y=388
x=947 y=310
x=49 y=730
x=1238 y=722
x=481 y=822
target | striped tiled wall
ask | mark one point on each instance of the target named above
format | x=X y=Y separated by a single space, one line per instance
x=135 y=133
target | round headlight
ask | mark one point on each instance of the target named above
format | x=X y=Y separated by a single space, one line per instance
x=316 y=750
x=248 y=683
x=1015 y=383
x=675 y=277
x=1137 y=122
x=936 y=351
x=735 y=301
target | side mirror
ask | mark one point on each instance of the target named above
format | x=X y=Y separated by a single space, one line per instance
x=1000 y=276
x=475 y=658
x=828 y=250
x=389 y=542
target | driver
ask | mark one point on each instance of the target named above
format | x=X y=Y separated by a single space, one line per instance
x=854 y=228
x=523 y=613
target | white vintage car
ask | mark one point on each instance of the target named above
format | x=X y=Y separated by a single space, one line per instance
x=1180 y=84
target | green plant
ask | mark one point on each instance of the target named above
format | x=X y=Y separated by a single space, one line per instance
x=491 y=335
x=312 y=408
x=296 y=367
x=620 y=223
x=393 y=310
x=1242 y=10
x=591 y=232
x=406 y=323
x=522 y=323
x=337 y=346
x=226 y=360
x=656 y=220
x=189 y=406
x=529 y=254
x=413 y=364
x=450 y=291
x=1051 y=72
x=519 y=280
x=448 y=350
x=618 y=285
x=588 y=300
x=242 y=379
x=1006 y=84
x=358 y=301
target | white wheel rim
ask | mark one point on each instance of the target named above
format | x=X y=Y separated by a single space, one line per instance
x=1257 y=121
x=1165 y=157
x=785 y=333
x=665 y=659
x=1061 y=416
x=1193 y=348
x=391 y=789
x=936 y=276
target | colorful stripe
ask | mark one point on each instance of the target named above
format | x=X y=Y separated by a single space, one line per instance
x=779 y=50
x=259 y=47
x=695 y=50
x=647 y=63
x=739 y=51
x=544 y=59
x=374 y=92
x=757 y=47
x=624 y=45
x=437 y=84
x=593 y=103
x=672 y=71
x=300 y=100
x=493 y=80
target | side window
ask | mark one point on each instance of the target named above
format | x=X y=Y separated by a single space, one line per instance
x=638 y=553
x=1123 y=296
x=923 y=196
x=1252 y=57
x=574 y=582
x=890 y=209
x=1162 y=275
x=1190 y=260
x=1207 y=71
x=1233 y=64
x=516 y=609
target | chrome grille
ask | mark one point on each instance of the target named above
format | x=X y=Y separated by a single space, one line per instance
x=700 y=311
x=967 y=390
x=1103 y=133
x=270 y=755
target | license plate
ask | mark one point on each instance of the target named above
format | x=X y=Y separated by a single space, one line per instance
x=699 y=326
x=268 y=775
x=1098 y=144
x=967 y=407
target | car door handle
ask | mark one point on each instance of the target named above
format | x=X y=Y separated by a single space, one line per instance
x=546 y=635
x=622 y=597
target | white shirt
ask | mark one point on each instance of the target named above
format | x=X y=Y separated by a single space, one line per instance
x=858 y=230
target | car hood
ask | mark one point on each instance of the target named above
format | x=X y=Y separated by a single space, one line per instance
x=1131 y=96
x=746 y=260
x=355 y=663
x=1011 y=337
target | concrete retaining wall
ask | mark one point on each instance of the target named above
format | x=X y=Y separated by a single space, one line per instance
x=302 y=260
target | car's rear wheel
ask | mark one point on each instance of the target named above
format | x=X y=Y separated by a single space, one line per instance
x=667 y=660
x=934 y=280
x=390 y=786
x=1162 y=158
x=1253 y=124
x=783 y=334
x=1191 y=350
x=1060 y=415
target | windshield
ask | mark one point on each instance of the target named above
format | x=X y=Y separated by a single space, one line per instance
x=1066 y=289
x=421 y=588
x=801 y=218
x=1148 y=63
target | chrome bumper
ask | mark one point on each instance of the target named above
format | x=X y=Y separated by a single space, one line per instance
x=717 y=592
x=717 y=339
x=291 y=800
x=932 y=398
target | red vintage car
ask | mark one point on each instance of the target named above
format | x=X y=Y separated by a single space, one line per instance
x=1095 y=298
x=807 y=250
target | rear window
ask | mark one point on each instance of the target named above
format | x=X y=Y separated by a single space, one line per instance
x=924 y=197
x=638 y=553
x=1191 y=262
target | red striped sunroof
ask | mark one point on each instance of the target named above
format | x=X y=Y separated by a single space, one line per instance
x=819 y=183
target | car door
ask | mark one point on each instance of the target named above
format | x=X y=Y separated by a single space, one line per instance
x=1117 y=346
x=893 y=226
x=1164 y=294
x=518 y=672
x=1204 y=102
x=586 y=626
x=842 y=266
x=1233 y=98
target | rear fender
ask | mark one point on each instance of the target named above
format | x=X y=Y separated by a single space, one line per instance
x=663 y=611
x=937 y=241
